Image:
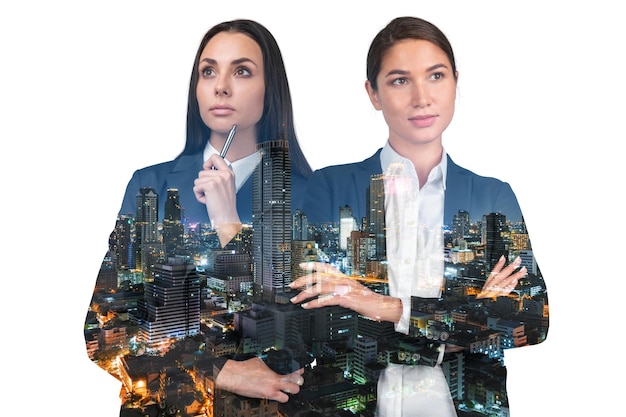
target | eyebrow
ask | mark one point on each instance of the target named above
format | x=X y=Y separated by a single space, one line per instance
x=237 y=61
x=405 y=72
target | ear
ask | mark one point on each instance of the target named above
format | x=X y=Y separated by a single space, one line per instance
x=373 y=95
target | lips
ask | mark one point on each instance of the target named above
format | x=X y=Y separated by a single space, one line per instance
x=423 y=120
x=221 y=110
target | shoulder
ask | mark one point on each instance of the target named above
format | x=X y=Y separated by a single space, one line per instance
x=457 y=171
x=368 y=165
x=156 y=168
x=161 y=170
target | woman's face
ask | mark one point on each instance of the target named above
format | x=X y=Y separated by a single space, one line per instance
x=231 y=86
x=416 y=93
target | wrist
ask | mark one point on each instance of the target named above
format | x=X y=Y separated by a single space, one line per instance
x=390 y=309
x=226 y=231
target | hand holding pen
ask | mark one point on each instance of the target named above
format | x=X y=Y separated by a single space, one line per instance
x=215 y=188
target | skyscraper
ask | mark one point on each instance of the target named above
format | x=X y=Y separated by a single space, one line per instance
x=300 y=226
x=361 y=248
x=120 y=243
x=460 y=225
x=347 y=223
x=376 y=214
x=493 y=237
x=148 y=249
x=147 y=215
x=272 y=220
x=172 y=227
x=170 y=308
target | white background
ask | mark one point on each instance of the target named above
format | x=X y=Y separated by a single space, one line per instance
x=91 y=91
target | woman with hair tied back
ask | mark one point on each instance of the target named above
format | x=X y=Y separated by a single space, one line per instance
x=238 y=86
x=452 y=317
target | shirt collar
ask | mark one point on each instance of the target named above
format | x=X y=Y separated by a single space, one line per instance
x=242 y=168
x=388 y=156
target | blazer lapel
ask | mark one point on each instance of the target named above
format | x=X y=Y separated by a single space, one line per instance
x=458 y=194
x=182 y=177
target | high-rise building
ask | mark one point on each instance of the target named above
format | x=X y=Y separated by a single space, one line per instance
x=257 y=324
x=334 y=323
x=172 y=211
x=170 y=308
x=229 y=272
x=107 y=275
x=303 y=251
x=242 y=242
x=147 y=217
x=493 y=237
x=347 y=223
x=173 y=229
x=120 y=243
x=272 y=220
x=528 y=260
x=300 y=226
x=376 y=213
x=460 y=225
x=361 y=248
x=365 y=353
x=148 y=249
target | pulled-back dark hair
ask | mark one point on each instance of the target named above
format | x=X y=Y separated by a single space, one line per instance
x=277 y=119
x=399 y=29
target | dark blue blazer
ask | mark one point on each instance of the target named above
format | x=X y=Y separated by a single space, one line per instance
x=180 y=174
x=333 y=187
x=336 y=186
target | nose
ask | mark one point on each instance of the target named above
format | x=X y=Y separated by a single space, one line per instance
x=222 y=88
x=421 y=95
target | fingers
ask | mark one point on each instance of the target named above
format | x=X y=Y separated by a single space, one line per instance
x=320 y=267
x=216 y=162
x=324 y=285
x=319 y=273
x=288 y=384
x=502 y=281
x=213 y=181
x=294 y=378
x=321 y=291
x=498 y=266
x=323 y=300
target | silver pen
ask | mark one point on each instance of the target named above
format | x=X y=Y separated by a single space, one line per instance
x=229 y=140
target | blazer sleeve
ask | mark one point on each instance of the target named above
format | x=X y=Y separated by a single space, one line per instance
x=517 y=320
x=104 y=341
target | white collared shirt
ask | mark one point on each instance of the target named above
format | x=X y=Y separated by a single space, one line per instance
x=414 y=230
x=242 y=168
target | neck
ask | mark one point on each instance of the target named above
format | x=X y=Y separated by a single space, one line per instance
x=424 y=156
x=243 y=144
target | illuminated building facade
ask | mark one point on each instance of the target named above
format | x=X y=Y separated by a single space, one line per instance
x=272 y=220
x=170 y=308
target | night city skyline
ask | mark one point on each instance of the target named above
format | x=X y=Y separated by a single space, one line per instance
x=170 y=300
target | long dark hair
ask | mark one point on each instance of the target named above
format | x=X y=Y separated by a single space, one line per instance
x=404 y=28
x=277 y=119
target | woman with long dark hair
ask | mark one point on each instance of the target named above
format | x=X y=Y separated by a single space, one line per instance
x=238 y=85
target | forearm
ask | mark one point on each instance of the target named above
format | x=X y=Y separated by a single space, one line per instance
x=229 y=376
x=385 y=308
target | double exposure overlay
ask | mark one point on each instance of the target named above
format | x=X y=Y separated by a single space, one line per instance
x=170 y=301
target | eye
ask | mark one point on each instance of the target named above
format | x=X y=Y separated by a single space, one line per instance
x=399 y=81
x=437 y=76
x=242 y=72
x=207 y=72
